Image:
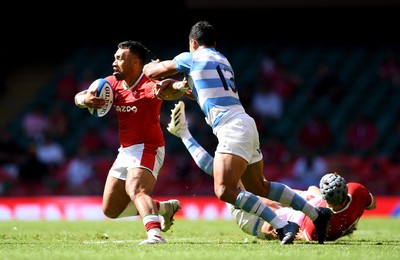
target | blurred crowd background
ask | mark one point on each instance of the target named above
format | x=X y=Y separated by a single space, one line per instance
x=322 y=82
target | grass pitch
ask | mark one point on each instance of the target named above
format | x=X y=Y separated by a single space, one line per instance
x=376 y=238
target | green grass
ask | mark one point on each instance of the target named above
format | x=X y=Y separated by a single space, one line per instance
x=376 y=238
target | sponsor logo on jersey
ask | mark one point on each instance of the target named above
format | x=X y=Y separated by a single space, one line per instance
x=126 y=109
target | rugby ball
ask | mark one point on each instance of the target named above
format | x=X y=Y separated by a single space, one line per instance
x=103 y=90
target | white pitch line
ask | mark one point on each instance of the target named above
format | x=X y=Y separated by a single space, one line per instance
x=110 y=241
x=133 y=241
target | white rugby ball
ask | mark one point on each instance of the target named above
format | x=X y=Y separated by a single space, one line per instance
x=103 y=90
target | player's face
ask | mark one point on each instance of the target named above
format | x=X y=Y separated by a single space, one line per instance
x=123 y=64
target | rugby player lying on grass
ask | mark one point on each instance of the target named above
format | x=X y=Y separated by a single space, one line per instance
x=347 y=200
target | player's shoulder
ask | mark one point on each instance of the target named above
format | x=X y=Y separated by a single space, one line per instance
x=357 y=190
x=355 y=186
x=184 y=54
x=183 y=57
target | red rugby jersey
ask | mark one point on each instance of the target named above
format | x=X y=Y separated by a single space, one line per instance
x=138 y=112
x=343 y=222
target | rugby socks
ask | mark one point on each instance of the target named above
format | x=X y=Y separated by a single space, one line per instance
x=201 y=157
x=283 y=194
x=153 y=226
x=253 y=205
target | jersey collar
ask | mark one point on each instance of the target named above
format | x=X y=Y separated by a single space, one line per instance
x=126 y=87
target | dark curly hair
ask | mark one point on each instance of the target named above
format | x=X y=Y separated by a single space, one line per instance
x=138 y=49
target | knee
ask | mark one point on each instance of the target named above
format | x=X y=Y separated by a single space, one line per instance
x=110 y=213
x=225 y=194
x=113 y=210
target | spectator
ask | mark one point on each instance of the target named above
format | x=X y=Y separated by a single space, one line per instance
x=361 y=135
x=267 y=104
x=50 y=153
x=276 y=156
x=10 y=156
x=35 y=123
x=80 y=176
x=10 y=152
x=275 y=151
x=58 y=123
x=327 y=84
x=67 y=86
x=315 y=135
x=91 y=140
x=278 y=76
x=307 y=170
x=109 y=135
x=373 y=171
x=33 y=173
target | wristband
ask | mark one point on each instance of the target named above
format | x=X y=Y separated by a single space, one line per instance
x=80 y=100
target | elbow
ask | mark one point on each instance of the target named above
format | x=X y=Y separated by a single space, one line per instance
x=147 y=72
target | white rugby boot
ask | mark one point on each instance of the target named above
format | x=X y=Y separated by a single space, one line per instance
x=167 y=219
x=178 y=124
x=153 y=240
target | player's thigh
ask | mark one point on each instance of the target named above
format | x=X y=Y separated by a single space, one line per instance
x=115 y=198
x=253 y=179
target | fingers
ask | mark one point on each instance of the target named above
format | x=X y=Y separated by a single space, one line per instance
x=158 y=89
x=92 y=101
x=98 y=102
x=159 y=94
x=95 y=102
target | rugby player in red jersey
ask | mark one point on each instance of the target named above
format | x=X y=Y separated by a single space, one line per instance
x=347 y=201
x=134 y=173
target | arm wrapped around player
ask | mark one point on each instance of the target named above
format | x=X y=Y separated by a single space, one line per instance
x=170 y=89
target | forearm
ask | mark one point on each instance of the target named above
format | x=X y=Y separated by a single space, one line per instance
x=158 y=70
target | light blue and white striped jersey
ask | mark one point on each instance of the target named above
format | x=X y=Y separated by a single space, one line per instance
x=212 y=80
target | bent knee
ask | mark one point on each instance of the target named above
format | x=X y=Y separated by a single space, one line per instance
x=225 y=194
x=113 y=210
x=111 y=213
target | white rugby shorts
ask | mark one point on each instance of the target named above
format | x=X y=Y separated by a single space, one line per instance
x=137 y=156
x=239 y=136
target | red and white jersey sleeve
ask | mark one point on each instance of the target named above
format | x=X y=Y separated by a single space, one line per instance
x=343 y=222
x=138 y=112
